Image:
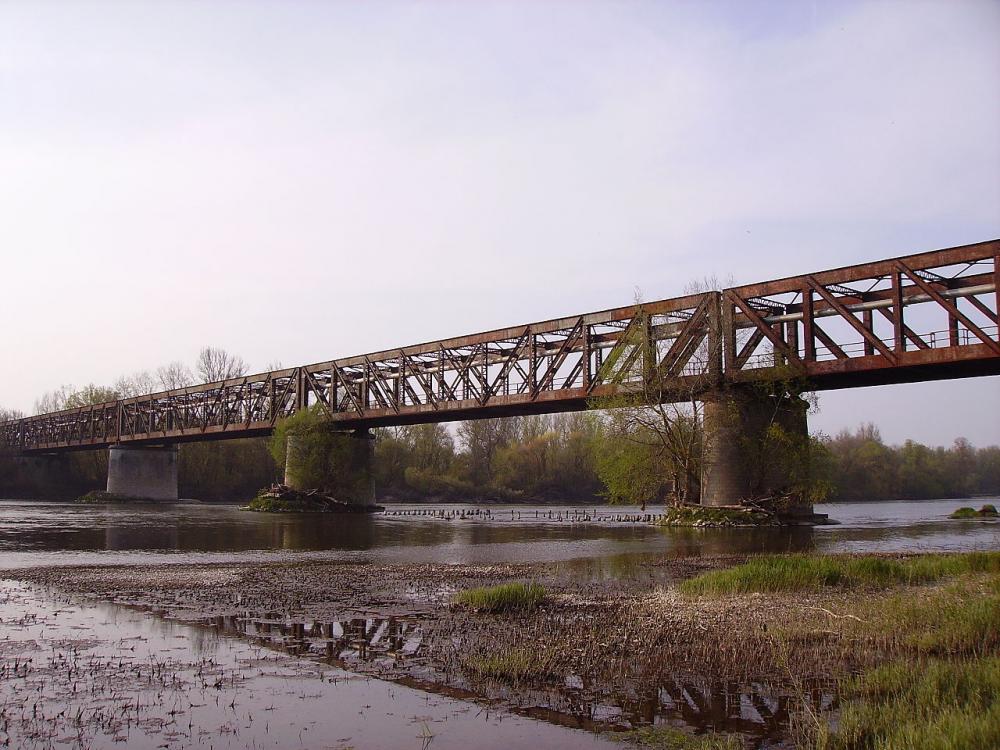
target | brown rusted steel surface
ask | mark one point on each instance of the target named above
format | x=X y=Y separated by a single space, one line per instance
x=927 y=316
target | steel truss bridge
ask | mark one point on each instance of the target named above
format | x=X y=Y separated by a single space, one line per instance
x=928 y=316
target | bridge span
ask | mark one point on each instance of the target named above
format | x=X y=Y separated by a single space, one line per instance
x=927 y=316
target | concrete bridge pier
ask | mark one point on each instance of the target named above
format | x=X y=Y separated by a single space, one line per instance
x=341 y=463
x=741 y=456
x=143 y=472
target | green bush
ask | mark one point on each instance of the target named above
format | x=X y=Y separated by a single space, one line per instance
x=430 y=484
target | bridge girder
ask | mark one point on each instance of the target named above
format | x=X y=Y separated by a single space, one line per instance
x=927 y=316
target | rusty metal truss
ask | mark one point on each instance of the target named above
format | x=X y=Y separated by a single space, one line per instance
x=921 y=317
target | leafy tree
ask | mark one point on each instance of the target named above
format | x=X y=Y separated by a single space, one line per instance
x=480 y=440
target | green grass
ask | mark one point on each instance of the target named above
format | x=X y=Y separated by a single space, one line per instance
x=816 y=572
x=935 y=705
x=668 y=738
x=960 y=620
x=508 y=597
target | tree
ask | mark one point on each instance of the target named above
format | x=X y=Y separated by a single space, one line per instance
x=174 y=375
x=215 y=364
x=54 y=400
x=137 y=384
x=480 y=440
x=655 y=422
x=90 y=395
x=431 y=446
x=9 y=415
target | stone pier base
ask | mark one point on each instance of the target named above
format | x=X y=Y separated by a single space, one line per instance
x=143 y=473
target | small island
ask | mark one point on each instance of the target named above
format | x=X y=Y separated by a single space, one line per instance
x=280 y=498
x=966 y=513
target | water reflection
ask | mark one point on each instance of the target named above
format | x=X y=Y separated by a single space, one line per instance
x=394 y=648
x=383 y=641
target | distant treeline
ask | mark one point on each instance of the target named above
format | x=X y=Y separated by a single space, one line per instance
x=561 y=458
x=862 y=467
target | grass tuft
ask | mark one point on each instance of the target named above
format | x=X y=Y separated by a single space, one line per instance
x=816 y=572
x=508 y=597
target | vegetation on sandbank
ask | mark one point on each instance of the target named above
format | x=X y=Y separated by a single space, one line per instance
x=670 y=738
x=971 y=514
x=699 y=515
x=282 y=499
x=513 y=666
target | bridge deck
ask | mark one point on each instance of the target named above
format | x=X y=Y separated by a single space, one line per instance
x=927 y=316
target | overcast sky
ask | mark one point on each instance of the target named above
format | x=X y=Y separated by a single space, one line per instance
x=297 y=181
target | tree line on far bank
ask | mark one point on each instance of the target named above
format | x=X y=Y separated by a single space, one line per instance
x=571 y=457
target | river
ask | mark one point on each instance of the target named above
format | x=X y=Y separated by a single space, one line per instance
x=36 y=533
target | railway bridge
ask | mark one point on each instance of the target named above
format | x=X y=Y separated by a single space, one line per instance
x=926 y=316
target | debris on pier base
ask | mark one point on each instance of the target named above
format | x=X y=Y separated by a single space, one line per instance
x=280 y=498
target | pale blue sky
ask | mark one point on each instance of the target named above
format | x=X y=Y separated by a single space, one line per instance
x=297 y=181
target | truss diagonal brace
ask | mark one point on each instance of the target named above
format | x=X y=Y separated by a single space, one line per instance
x=949 y=306
x=856 y=324
x=758 y=321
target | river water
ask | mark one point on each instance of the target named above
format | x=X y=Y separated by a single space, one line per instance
x=46 y=533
